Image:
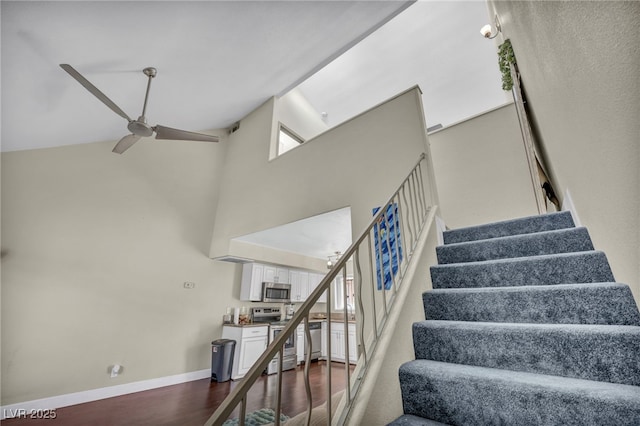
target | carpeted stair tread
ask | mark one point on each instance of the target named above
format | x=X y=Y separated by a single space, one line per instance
x=526 y=225
x=563 y=268
x=591 y=303
x=470 y=395
x=549 y=242
x=525 y=326
x=409 y=420
x=604 y=353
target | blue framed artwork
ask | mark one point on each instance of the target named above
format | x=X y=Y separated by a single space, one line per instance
x=391 y=252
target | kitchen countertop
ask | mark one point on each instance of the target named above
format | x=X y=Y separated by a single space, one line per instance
x=334 y=318
x=342 y=320
x=253 y=324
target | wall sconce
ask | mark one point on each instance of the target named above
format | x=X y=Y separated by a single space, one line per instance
x=333 y=259
x=487 y=30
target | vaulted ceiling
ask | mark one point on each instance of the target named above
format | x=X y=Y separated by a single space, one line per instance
x=219 y=60
x=216 y=60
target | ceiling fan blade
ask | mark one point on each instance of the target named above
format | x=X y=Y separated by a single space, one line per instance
x=125 y=143
x=182 y=135
x=94 y=91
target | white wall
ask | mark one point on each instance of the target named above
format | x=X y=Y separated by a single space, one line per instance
x=481 y=170
x=324 y=174
x=96 y=248
x=580 y=63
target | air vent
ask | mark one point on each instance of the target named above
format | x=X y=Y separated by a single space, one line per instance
x=234 y=128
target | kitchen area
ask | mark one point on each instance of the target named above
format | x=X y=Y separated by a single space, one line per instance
x=274 y=292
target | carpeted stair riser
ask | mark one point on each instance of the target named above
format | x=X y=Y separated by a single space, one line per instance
x=469 y=395
x=520 y=226
x=593 y=303
x=564 y=268
x=592 y=352
x=550 y=242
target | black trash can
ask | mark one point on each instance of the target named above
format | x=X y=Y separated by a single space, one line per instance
x=222 y=359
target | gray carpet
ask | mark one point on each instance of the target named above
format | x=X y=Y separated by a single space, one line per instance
x=532 y=224
x=592 y=303
x=525 y=326
x=566 y=268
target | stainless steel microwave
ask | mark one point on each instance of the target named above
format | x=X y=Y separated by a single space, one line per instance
x=276 y=292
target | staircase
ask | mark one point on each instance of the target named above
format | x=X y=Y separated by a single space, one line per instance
x=525 y=325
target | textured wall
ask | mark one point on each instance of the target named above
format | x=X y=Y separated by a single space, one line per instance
x=580 y=63
x=359 y=163
x=482 y=170
x=96 y=248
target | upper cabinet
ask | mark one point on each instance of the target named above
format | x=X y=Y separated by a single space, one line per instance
x=275 y=274
x=254 y=274
x=252 y=278
x=302 y=282
x=314 y=281
x=299 y=281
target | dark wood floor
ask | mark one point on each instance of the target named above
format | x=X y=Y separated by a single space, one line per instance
x=193 y=403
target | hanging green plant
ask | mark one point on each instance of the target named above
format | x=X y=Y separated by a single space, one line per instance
x=505 y=58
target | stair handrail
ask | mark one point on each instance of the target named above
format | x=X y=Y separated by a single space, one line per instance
x=239 y=393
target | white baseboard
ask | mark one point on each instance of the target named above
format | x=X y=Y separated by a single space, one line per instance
x=25 y=408
x=567 y=204
x=440 y=227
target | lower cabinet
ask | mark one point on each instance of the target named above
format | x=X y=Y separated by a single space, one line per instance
x=251 y=342
x=300 y=343
x=338 y=342
x=353 y=344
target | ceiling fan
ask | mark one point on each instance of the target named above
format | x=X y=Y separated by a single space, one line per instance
x=138 y=128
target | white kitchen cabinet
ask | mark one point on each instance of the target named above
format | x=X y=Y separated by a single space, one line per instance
x=251 y=343
x=314 y=280
x=323 y=340
x=302 y=282
x=254 y=274
x=275 y=274
x=337 y=344
x=299 y=281
x=338 y=341
x=353 y=344
x=300 y=340
x=251 y=285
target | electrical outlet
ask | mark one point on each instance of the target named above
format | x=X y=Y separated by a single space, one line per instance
x=115 y=370
x=189 y=284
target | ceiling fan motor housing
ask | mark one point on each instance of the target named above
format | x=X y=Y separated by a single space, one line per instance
x=150 y=72
x=140 y=127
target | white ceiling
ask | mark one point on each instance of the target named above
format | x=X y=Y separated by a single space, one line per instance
x=435 y=44
x=318 y=236
x=216 y=61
